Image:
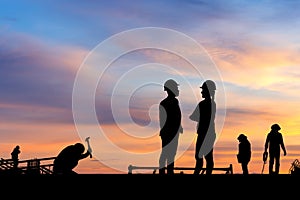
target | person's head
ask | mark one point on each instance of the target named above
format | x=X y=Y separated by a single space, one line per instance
x=208 y=89
x=242 y=137
x=79 y=147
x=275 y=127
x=171 y=87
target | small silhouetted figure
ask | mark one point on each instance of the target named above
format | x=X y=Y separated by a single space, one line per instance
x=204 y=114
x=15 y=156
x=68 y=159
x=170 y=126
x=274 y=142
x=244 y=152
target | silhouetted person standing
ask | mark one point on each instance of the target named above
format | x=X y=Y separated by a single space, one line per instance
x=204 y=114
x=244 y=152
x=68 y=159
x=15 y=156
x=274 y=142
x=170 y=126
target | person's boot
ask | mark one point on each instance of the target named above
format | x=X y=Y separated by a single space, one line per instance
x=170 y=169
x=271 y=169
x=162 y=171
x=276 y=169
x=198 y=167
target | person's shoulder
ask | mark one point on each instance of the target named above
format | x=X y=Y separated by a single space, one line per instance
x=204 y=102
x=168 y=100
x=163 y=101
x=174 y=101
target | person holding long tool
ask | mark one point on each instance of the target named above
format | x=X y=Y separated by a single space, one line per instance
x=274 y=142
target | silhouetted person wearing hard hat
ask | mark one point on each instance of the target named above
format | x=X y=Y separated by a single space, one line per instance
x=204 y=114
x=15 y=156
x=274 y=142
x=244 y=152
x=68 y=159
x=170 y=127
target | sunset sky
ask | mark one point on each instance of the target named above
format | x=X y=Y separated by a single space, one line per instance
x=76 y=69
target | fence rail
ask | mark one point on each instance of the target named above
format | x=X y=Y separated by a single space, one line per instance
x=28 y=166
x=227 y=170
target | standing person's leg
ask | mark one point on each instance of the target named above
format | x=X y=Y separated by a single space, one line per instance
x=163 y=156
x=209 y=144
x=209 y=162
x=172 y=150
x=198 y=166
x=245 y=167
x=271 y=162
x=198 y=157
x=15 y=163
x=277 y=163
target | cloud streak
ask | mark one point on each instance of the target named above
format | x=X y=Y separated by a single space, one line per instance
x=42 y=77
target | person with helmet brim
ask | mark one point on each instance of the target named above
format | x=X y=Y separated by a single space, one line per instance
x=204 y=114
x=274 y=142
x=170 y=127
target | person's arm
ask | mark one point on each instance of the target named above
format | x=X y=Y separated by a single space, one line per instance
x=238 y=155
x=283 y=146
x=162 y=116
x=267 y=143
x=84 y=155
x=195 y=115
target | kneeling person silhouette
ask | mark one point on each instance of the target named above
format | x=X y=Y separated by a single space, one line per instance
x=68 y=159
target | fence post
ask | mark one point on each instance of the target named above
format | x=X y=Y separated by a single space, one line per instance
x=33 y=166
x=130 y=169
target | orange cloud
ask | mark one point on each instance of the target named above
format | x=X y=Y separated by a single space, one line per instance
x=253 y=65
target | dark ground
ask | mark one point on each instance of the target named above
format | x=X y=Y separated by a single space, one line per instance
x=149 y=186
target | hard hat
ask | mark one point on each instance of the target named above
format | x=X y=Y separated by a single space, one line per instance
x=241 y=137
x=170 y=84
x=209 y=84
x=275 y=127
